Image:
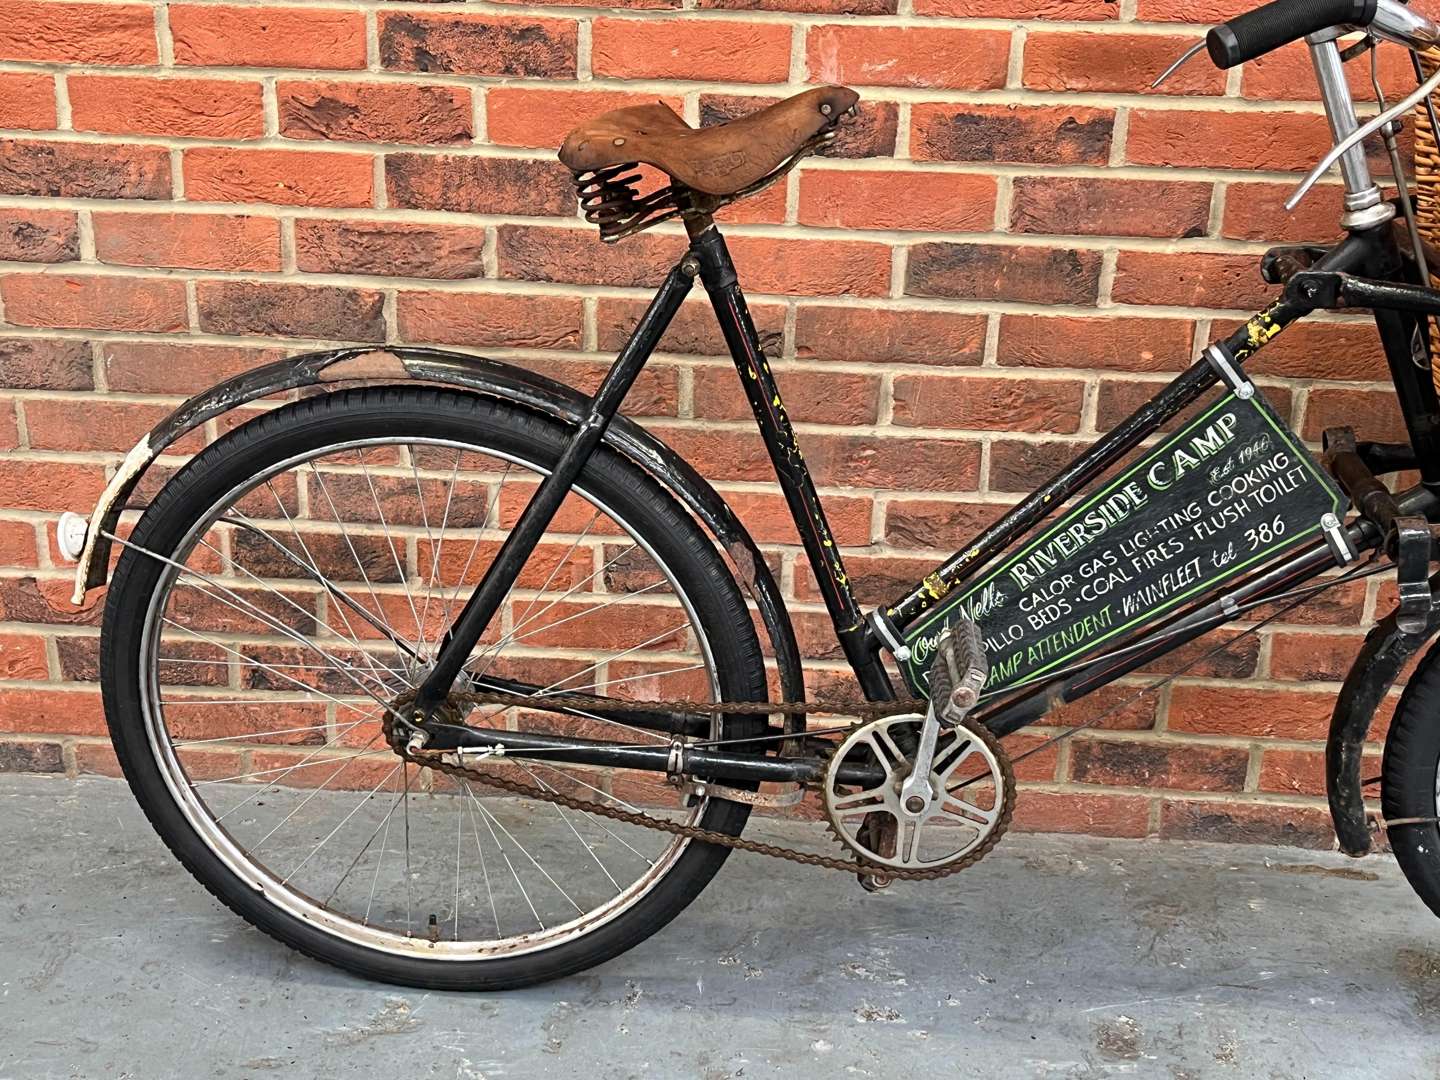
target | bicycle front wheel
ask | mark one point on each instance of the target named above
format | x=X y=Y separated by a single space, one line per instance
x=291 y=583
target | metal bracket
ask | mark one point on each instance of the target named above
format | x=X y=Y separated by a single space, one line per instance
x=1412 y=574
x=1338 y=539
x=700 y=789
x=675 y=762
x=885 y=629
x=1224 y=365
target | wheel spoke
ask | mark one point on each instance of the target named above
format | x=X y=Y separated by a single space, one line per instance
x=328 y=836
x=533 y=861
x=488 y=655
x=383 y=824
x=384 y=841
x=313 y=571
x=259 y=616
x=349 y=761
x=256 y=663
x=480 y=849
x=436 y=546
x=308 y=761
x=490 y=823
x=525 y=618
x=266 y=674
x=563 y=817
x=359 y=563
x=312 y=565
x=390 y=543
x=453 y=595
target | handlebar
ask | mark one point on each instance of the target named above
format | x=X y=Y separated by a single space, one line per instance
x=1281 y=22
x=1266 y=29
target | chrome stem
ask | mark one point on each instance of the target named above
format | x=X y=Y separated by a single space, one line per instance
x=1359 y=135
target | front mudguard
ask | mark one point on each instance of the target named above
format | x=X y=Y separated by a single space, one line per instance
x=1386 y=651
x=480 y=375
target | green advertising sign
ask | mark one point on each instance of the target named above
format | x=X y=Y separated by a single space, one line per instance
x=1233 y=488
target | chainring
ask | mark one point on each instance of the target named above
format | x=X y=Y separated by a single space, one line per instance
x=874 y=825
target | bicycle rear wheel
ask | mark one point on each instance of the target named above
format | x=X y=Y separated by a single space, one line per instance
x=293 y=580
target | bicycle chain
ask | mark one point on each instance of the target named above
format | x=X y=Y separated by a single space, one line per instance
x=868 y=710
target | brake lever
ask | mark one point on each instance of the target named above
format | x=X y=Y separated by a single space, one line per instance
x=1190 y=54
x=1359 y=135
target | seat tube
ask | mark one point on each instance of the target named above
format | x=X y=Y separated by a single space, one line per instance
x=1365 y=207
x=717 y=273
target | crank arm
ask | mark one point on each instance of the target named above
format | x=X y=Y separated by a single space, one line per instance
x=703 y=763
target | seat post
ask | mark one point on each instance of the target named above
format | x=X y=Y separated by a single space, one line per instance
x=697 y=219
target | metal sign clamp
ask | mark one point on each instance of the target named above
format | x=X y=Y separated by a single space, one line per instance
x=1224 y=364
x=1338 y=538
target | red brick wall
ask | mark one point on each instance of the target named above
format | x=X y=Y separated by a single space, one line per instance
x=1016 y=242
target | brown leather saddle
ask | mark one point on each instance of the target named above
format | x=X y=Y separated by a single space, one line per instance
x=721 y=163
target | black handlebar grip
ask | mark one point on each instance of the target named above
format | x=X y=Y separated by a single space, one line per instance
x=1265 y=29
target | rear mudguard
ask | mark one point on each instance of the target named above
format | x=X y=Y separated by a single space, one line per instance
x=490 y=378
x=1386 y=651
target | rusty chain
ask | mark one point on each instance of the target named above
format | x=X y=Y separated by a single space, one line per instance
x=869 y=710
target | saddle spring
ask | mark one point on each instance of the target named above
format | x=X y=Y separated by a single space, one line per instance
x=613 y=201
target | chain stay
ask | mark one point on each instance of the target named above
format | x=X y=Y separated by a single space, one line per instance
x=866 y=710
x=870 y=710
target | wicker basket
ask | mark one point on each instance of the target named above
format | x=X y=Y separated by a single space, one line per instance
x=1427 y=197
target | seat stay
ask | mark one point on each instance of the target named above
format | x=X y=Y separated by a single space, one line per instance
x=488 y=595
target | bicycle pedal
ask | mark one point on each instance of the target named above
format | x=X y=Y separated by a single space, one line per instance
x=880 y=831
x=959 y=671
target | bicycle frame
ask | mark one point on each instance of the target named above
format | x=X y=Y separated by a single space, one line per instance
x=1372 y=254
x=1369 y=252
x=1367 y=269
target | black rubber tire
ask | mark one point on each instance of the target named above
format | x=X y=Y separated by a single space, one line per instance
x=415 y=412
x=1412 y=758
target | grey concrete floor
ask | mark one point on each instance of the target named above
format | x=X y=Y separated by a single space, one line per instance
x=1055 y=957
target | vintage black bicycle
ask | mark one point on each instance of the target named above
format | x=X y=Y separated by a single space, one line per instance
x=454 y=677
